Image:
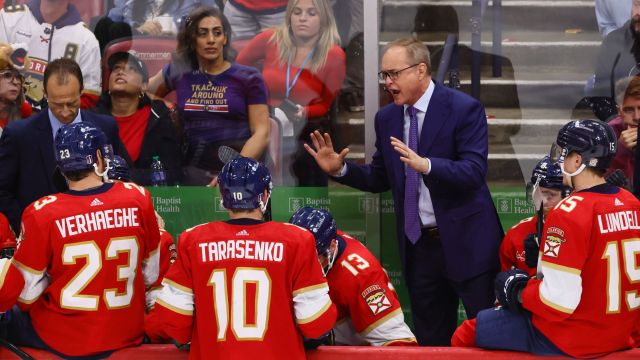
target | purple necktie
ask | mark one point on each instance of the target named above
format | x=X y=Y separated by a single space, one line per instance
x=412 y=226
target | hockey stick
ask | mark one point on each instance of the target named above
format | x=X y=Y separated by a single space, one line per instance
x=16 y=350
x=227 y=153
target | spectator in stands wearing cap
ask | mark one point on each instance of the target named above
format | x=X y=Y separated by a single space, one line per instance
x=12 y=103
x=304 y=66
x=145 y=125
x=49 y=30
x=219 y=102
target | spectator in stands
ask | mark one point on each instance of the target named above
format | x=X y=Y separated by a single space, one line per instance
x=619 y=55
x=250 y=17
x=26 y=147
x=304 y=68
x=144 y=17
x=612 y=15
x=145 y=125
x=625 y=126
x=219 y=102
x=519 y=248
x=52 y=29
x=12 y=103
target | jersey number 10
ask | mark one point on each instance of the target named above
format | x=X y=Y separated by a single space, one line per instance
x=237 y=306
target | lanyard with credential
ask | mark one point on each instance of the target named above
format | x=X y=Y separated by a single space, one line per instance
x=295 y=78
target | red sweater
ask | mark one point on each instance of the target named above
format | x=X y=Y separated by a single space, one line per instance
x=314 y=91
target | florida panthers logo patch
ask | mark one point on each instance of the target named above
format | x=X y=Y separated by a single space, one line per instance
x=376 y=299
x=552 y=246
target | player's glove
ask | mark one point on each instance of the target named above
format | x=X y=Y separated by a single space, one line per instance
x=326 y=339
x=617 y=178
x=508 y=285
x=531 y=249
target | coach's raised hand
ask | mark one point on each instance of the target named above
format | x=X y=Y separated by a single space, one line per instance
x=327 y=158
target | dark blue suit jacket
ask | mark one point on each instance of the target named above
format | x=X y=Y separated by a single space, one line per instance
x=454 y=138
x=27 y=161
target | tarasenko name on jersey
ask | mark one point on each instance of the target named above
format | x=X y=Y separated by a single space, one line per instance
x=241 y=249
x=98 y=220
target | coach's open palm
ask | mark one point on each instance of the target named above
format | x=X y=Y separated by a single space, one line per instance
x=327 y=158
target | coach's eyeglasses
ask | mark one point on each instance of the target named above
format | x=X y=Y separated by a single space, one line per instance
x=11 y=75
x=393 y=74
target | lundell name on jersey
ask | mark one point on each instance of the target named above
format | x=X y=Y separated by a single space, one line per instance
x=618 y=221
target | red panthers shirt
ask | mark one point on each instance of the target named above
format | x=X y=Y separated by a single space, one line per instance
x=512 y=247
x=369 y=311
x=589 y=299
x=86 y=258
x=254 y=288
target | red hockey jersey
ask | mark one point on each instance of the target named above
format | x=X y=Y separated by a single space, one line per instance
x=86 y=258
x=254 y=287
x=369 y=311
x=6 y=234
x=512 y=247
x=589 y=299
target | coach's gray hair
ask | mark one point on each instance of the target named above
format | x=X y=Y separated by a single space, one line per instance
x=417 y=52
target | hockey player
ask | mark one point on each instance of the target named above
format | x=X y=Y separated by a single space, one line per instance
x=119 y=171
x=546 y=190
x=49 y=30
x=86 y=256
x=245 y=287
x=7 y=238
x=369 y=311
x=585 y=303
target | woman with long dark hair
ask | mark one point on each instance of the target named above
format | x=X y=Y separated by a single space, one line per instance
x=219 y=102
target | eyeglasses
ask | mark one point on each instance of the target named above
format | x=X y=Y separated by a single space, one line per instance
x=11 y=75
x=393 y=74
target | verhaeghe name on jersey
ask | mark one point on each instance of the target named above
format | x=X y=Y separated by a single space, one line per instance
x=241 y=249
x=618 y=221
x=98 y=220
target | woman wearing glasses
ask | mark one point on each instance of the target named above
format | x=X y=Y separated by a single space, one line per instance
x=304 y=68
x=12 y=103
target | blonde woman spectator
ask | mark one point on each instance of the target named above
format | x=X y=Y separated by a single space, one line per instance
x=304 y=68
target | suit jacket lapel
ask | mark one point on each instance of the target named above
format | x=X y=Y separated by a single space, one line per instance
x=45 y=142
x=436 y=116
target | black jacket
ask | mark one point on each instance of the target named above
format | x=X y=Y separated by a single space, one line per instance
x=161 y=138
x=28 y=164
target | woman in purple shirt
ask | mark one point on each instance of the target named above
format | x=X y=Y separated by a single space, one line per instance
x=220 y=102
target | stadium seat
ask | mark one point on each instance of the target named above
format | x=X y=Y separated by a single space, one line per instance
x=240 y=44
x=155 y=52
